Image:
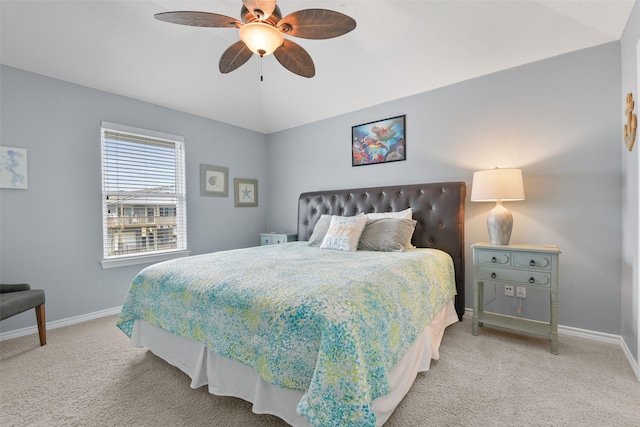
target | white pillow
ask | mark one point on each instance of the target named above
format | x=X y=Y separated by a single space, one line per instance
x=344 y=233
x=405 y=214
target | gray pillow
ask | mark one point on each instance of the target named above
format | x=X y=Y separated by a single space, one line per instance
x=320 y=230
x=387 y=235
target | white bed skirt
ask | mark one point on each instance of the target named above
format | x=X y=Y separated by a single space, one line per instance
x=226 y=377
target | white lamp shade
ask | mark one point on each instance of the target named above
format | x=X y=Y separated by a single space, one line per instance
x=497 y=184
x=260 y=38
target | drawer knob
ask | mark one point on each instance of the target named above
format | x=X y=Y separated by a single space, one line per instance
x=532 y=280
x=493 y=275
x=532 y=263
x=493 y=259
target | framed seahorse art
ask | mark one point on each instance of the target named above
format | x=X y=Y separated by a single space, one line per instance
x=381 y=141
x=631 y=125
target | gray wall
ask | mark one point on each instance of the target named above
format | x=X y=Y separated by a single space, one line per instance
x=51 y=233
x=630 y=300
x=557 y=119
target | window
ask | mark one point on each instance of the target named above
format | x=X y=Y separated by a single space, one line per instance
x=143 y=196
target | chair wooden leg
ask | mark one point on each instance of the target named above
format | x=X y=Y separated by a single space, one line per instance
x=42 y=325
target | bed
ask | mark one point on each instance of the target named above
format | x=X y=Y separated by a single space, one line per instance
x=314 y=336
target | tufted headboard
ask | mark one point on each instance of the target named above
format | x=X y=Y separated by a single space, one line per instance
x=438 y=209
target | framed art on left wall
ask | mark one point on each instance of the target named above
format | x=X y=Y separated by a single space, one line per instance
x=246 y=192
x=214 y=181
x=13 y=168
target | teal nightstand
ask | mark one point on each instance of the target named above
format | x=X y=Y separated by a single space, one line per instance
x=526 y=266
x=275 y=238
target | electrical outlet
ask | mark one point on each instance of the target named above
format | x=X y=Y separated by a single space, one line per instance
x=508 y=290
x=521 y=292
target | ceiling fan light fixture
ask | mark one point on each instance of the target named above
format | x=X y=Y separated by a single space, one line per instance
x=262 y=39
x=261 y=30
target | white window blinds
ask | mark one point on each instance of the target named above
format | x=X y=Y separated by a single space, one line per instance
x=143 y=192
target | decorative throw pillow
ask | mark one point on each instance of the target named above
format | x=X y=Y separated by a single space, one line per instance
x=405 y=214
x=387 y=235
x=344 y=233
x=320 y=230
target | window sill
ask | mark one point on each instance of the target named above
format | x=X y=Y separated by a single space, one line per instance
x=142 y=259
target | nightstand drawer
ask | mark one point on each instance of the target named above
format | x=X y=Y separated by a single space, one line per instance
x=276 y=238
x=532 y=278
x=532 y=261
x=279 y=239
x=494 y=257
x=266 y=240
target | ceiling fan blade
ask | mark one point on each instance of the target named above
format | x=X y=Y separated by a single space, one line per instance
x=316 y=24
x=264 y=8
x=199 y=19
x=235 y=56
x=295 y=59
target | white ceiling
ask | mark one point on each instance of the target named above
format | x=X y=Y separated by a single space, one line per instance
x=398 y=48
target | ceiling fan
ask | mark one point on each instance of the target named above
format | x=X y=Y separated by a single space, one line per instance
x=261 y=32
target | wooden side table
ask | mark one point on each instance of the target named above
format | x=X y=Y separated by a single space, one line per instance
x=528 y=266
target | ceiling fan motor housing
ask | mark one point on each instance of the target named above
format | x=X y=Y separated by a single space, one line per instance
x=273 y=19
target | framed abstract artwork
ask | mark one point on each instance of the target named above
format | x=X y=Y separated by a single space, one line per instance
x=246 y=192
x=381 y=141
x=214 y=181
x=13 y=168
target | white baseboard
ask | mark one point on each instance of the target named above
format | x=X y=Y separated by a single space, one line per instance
x=592 y=335
x=59 y=323
x=599 y=336
x=596 y=336
x=632 y=362
x=564 y=330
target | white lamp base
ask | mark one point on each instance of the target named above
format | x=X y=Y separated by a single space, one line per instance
x=499 y=224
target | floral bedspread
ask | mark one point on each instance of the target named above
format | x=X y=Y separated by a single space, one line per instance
x=329 y=323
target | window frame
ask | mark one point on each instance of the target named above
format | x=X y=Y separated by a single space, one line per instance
x=121 y=260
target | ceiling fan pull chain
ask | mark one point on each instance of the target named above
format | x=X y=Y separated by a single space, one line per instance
x=261 y=52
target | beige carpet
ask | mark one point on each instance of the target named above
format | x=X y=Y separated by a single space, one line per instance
x=87 y=375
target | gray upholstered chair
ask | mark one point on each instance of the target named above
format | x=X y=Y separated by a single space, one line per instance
x=17 y=298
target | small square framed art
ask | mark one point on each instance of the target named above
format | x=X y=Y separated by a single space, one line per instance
x=214 y=181
x=246 y=192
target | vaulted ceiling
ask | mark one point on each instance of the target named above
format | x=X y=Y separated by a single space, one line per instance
x=399 y=48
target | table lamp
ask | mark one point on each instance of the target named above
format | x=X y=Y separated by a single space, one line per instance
x=498 y=185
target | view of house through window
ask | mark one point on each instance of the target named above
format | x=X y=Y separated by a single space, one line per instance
x=143 y=189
